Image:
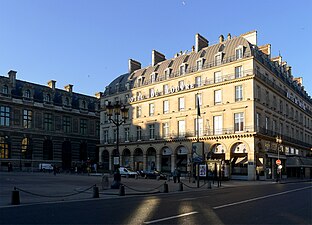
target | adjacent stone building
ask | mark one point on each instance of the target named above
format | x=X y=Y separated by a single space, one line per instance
x=44 y=124
x=244 y=105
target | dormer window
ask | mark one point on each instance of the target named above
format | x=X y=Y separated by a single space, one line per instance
x=239 y=52
x=183 y=69
x=167 y=73
x=218 y=59
x=127 y=85
x=153 y=77
x=66 y=103
x=117 y=87
x=199 y=64
x=47 y=98
x=84 y=105
x=27 y=93
x=5 y=89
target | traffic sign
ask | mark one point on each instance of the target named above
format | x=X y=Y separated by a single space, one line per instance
x=278 y=162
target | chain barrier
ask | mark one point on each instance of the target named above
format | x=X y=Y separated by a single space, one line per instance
x=194 y=187
x=144 y=190
x=54 y=196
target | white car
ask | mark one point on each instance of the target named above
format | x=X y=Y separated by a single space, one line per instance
x=125 y=172
x=45 y=167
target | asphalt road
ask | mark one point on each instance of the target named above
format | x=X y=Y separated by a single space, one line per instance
x=251 y=204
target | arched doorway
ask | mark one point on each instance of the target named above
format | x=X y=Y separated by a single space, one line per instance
x=5 y=151
x=47 y=150
x=66 y=155
x=181 y=162
x=105 y=160
x=239 y=161
x=83 y=152
x=126 y=158
x=166 y=160
x=138 y=159
x=151 y=159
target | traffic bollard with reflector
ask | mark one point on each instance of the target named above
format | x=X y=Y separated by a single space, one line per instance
x=15 y=200
x=96 y=192
x=180 y=186
x=166 y=188
x=122 y=190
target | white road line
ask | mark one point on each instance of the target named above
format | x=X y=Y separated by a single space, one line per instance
x=259 y=198
x=169 y=218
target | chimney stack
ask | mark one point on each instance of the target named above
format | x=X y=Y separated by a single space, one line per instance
x=157 y=57
x=229 y=37
x=51 y=84
x=133 y=66
x=221 y=38
x=200 y=42
x=69 y=88
x=12 y=77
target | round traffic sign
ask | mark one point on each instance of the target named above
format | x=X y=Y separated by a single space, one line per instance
x=278 y=162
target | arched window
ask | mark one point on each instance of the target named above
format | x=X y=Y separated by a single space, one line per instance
x=4 y=148
x=26 y=151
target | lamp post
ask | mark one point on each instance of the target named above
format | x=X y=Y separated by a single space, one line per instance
x=278 y=140
x=117 y=110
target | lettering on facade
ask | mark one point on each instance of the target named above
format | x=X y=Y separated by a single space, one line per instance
x=157 y=93
x=296 y=101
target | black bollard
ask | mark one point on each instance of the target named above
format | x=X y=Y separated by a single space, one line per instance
x=166 y=188
x=122 y=190
x=180 y=186
x=96 y=192
x=15 y=200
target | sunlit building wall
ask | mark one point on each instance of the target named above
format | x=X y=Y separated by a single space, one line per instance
x=246 y=99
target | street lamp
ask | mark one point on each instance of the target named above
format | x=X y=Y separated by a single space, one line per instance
x=278 y=140
x=117 y=110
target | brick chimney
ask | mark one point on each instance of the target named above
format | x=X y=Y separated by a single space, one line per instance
x=157 y=57
x=133 y=66
x=12 y=77
x=221 y=38
x=200 y=42
x=51 y=84
x=69 y=88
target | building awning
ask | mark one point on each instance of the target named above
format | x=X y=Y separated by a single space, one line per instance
x=273 y=155
x=297 y=161
x=240 y=160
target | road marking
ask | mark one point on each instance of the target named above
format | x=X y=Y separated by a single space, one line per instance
x=259 y=198
x=169 y=218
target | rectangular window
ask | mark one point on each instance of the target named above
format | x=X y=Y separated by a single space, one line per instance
x=115 y=135
x=4 y=116
x=83 y=126
x=181 y=104
x=239 y=121
x=197 y=81
x=181 y=128
x=151 y=128
x=199 y=64
x=217 y=125
x=266 y=124
x=238 y=72
x=97 y=129
x=166 y=130
x=181 y=84
x=167 y=73
x=218 y=59
x=151 y=93
x=66 y=124
x=217 y=97
x=139 y=133
x=166 y=89
x=151 y=109
x=127 y=134
x=199 y=123
x=166 y=106
x=258 y=120
x=217 y=77
x=105 y=136
x=138 y=111
x=48 y=121
x=27 y=118
x=239 y=53
x=238 y=93
x=198 y=99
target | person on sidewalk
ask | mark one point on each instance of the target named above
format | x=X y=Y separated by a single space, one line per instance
x=175 y=175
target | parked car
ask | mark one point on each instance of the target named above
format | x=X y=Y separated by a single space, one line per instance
x=153 y=174
x=126 y=172
x=45 y=167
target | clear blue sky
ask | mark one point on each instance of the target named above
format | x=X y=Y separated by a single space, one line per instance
x=87 y=43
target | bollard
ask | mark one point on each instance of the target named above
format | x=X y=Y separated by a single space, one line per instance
x=180 y=186
x=96 y=192
x=166 y=188
x=209 y=185
x=122 y=190
x=15 y=200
